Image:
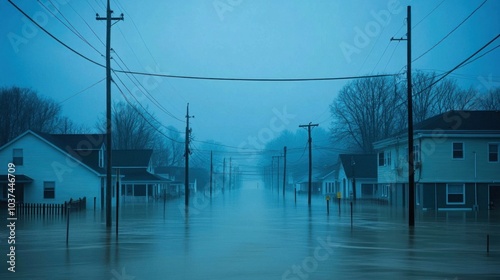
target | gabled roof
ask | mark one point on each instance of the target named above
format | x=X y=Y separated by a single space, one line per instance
x=359 y=165
x=75 y=142
x=131 y=158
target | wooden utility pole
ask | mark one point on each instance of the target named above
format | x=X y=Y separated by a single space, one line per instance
x=186 y=154
x=309 y=126
x=411 y=168
x=284 y=170
x=108 y=20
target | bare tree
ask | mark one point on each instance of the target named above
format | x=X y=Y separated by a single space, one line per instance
x=132 y=127
x=365 y=111
x=489 y=100
x=169 y=151
x=66 y=126
x=24 y=109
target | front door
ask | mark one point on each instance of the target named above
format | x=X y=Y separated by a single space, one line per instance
x=494 y=195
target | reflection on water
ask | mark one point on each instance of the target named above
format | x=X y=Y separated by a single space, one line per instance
x=254 y=234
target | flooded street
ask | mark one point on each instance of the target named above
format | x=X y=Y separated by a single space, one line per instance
x=254 y=234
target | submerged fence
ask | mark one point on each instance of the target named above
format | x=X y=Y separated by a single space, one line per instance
x=51 y=208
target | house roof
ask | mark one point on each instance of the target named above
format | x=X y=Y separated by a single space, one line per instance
x=19 y=179
x=131 y=158
x=359 y=165
x=75 y=142
x=140 y=175
x=484 y=123
x=462 y=121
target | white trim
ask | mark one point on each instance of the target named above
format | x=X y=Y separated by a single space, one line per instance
x=463 y=194
x=50 y=144
x=488 y=151
x=453 y=150
x=455 y=209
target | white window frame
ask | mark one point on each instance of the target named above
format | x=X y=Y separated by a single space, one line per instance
x=463 y=194
x=387 y=158
x=497 y=152
x=381 y=155
x=45 y=187
x=453 y=151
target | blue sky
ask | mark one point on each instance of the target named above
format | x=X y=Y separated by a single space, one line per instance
x=241 y=39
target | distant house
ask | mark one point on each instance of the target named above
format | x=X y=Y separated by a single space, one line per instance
x=302 y=183
x=357 y=176
x=138 y=183
x=456 y=162
x=330 y=181
x=198 y=179
x=53 y=168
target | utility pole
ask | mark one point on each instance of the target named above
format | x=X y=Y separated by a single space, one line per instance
x=186 y=154
x=108 y=20
x=277 y=174
x=223 y=174
x=284 y=170
x=411 y=169
x=211 y=172
x=310 y=158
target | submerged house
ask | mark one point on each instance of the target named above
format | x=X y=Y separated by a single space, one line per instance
x=357 y=176
x=53 y=168
x=456 y=162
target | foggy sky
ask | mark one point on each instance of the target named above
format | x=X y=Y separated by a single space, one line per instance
x=240 y=39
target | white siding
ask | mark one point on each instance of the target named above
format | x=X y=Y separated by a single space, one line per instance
x=42 y=162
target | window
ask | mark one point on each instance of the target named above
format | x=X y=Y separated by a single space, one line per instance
x=381 y=159
x=493 y=152
x=416 y=153
x=387 y=158
x=455 y=194
x=17 y=156
x=101 y=158
x=458 y=150
x=49 y=189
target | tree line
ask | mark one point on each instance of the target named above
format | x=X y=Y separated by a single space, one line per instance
x=369 y=110
x=133 y=127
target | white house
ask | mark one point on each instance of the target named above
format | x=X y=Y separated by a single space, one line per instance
x=51 y=168
x=456 y=162
x=357 y=176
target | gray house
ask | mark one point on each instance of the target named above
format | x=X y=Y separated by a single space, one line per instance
x=456 y=161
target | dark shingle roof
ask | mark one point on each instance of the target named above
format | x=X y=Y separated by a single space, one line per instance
x=131 y=158
x=359 y=165
x=462 y=120
x=75 y=141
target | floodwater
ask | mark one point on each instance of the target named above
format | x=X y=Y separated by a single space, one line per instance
x=255 y=234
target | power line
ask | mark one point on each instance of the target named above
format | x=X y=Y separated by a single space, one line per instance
x=453 y=30
x=428 y=14
x=461 y=64
x=256 y=79
x=200 y=77
x=83 y=90
x=54 y=37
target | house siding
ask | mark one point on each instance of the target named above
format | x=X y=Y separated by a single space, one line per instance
x=438 y=164
x=42 y=162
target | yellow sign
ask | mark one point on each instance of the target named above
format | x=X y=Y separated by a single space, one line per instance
x=327 y=197
x=339 y=195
